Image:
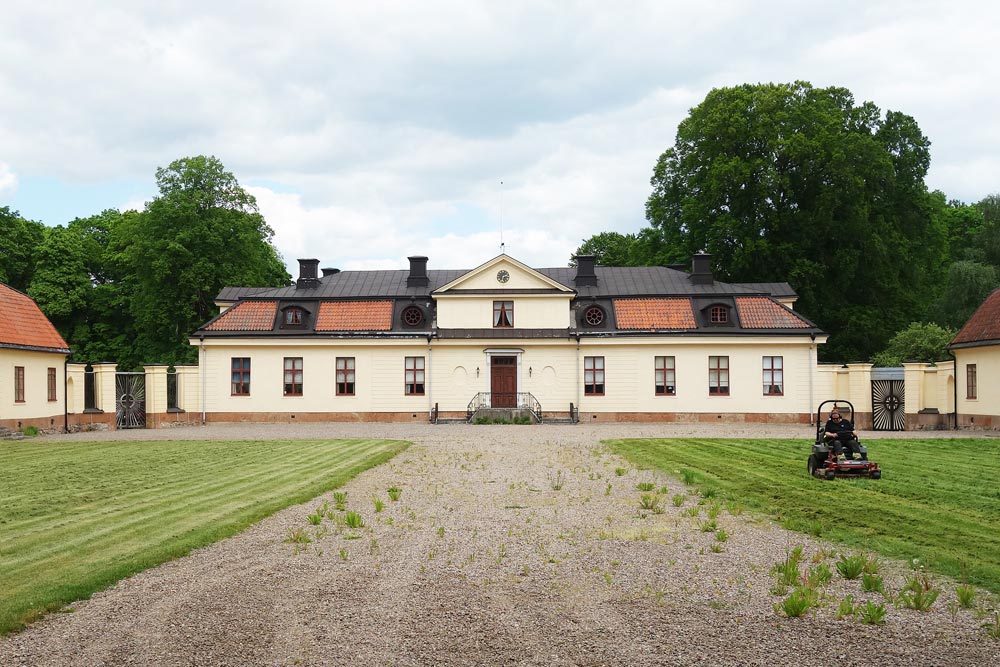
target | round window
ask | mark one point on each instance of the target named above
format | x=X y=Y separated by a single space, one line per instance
x=412 y=316
x=594 y=316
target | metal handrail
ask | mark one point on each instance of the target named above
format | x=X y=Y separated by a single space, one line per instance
x=522 y=400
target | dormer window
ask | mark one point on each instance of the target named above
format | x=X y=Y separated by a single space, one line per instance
x=503 y=314
x=294 y=316
x=718 y=315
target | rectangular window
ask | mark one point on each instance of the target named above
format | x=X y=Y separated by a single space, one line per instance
x=414 y=376
x=241 y=376
x=19 y=384
x=52 y=384
x=718 y=376
x=665 y=372
x=774 y=383
x=593 y=376
x=345 y=376
x=293 y=376
x=503 y=314
x=970 y=381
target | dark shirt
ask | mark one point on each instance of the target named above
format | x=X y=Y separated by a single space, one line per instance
x=844 y=428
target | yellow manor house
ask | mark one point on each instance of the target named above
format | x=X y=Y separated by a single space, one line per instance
x=584 y=343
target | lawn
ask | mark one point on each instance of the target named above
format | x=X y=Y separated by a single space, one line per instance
x=938 y=500
x=77 y=517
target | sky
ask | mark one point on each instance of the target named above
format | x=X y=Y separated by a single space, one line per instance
x=371 y=131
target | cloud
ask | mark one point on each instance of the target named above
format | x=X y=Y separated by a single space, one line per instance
x=8 y=180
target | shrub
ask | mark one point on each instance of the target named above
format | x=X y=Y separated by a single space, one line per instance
x=872 y=614
x=354 y=520
x=851 y=567
x=992 y=627
x=819 y=575
x=394 y=493
x=846 y=608
x=649 y=501
x=966 y=596
x=918 y=594
x=787 y=571
x=30 y=431
x=678 y=499
x=620 y=471
x=645 y=486
x=872 y=583
x=689 y=477
x=798 y=603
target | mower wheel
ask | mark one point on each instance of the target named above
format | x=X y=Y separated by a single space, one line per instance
x=876 y=474
x=830 y=474
x=811 y=466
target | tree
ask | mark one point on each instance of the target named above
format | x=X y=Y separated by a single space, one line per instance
x=610 y=248
x=81 y=286
x=966 y=286
x=201 y=233
x=917 y=342
x=789 y=182
x=19 y=239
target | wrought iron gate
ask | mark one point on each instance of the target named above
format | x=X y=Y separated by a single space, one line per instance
x=887 y=405
x=130 y=400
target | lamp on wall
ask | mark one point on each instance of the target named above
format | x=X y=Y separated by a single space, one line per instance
x=529 y=371
x=477 y=371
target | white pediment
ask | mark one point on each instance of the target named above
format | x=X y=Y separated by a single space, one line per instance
x=502 y=273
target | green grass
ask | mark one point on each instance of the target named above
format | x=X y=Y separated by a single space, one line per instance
x=938 y=500
x=77 y=517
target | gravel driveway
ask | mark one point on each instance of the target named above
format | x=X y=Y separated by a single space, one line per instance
x=510 y=545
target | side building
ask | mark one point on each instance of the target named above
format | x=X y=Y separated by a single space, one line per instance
x=977 y=359
x=592 y=343
x=32 y=365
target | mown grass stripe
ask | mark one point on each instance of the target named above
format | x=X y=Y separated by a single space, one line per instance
x=927 y=505
x=136 y=517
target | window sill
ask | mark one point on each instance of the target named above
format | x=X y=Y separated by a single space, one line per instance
x=171 y=411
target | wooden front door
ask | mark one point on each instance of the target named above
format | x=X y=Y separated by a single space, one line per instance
x=503 y=384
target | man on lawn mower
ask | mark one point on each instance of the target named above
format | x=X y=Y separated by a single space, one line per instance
x=840 y=434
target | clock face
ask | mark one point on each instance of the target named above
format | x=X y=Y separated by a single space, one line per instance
x=502 y=276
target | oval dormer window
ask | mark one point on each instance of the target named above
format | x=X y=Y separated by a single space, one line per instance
x=412 y=316
x=594 y=316
x=718 y=315
x=294 y=316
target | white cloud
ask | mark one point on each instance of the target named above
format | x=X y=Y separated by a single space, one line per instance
x=8 y=180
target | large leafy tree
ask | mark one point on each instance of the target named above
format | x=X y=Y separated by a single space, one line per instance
x=201 y=233
x=791 y=182
x=81 y=285
x=19 y=241
x=920 y=341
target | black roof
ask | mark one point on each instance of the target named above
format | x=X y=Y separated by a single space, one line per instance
x=612 y=281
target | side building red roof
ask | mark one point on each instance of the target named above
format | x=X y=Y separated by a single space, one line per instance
x=355 y=316
x=654 y=314
x=759 y=312
x=23 y=325
x=984 y=325
x=247 y=316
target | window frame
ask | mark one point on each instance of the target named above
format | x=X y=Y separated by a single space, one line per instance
x=971 y=383
x=718 y=314
x=244 y=372
x=294 y=316
x=52 y=386
x=669 y=370
x=768 y=387
x=717 y=388
x=296 y=373
x=412 y=366
x=342 y=385
x=503 y=309
x=19 y=384
x=596 y=367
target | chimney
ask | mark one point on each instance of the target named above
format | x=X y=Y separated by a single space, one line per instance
x=701 y=269
x=418 y=272
x=307 y=274
x=585 y=275
x=327 y=271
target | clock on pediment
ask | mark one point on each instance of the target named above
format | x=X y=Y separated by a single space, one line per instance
x=502 y=276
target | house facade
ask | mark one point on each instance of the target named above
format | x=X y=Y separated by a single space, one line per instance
x=32 y=365
x=590 y=343
x=977 y=357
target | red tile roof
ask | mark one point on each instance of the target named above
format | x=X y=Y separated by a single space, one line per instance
x=758 y=312
x=22 y=323
x=354 y=316
x=247 y=316
x=654 y=314
x=984 y=325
